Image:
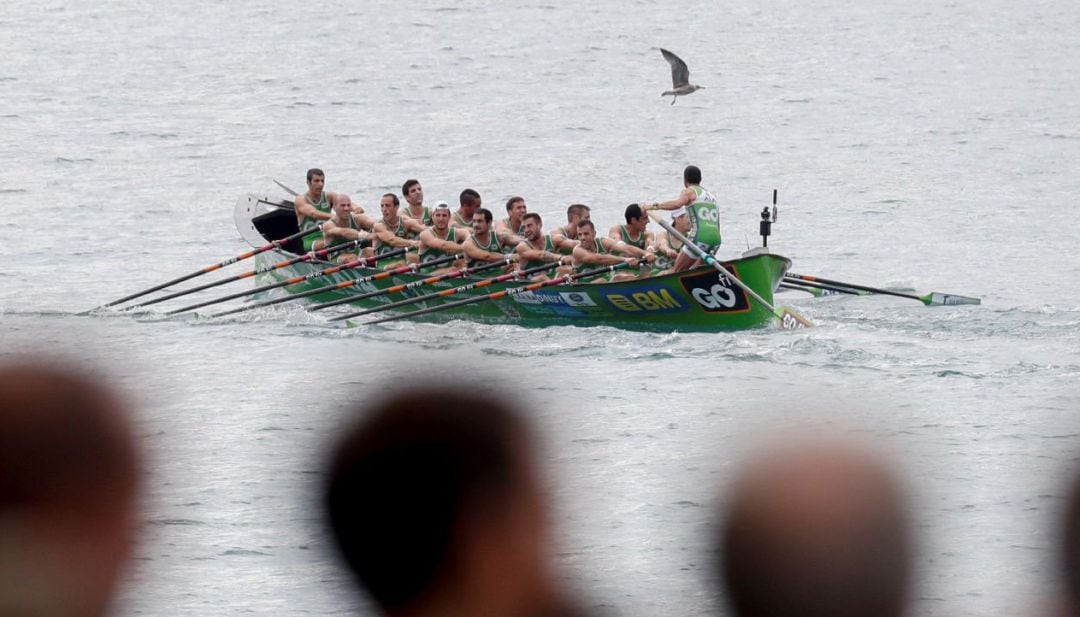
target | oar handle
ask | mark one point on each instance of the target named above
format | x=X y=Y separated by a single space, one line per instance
x=405 y=270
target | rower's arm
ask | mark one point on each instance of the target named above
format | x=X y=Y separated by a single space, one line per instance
x=330 y=230
x=582 y=256
x=383 y=233
x=563 y=243
x=614 y=233
x=627 y=249
x=414 y=225
x=527 y=253
x=364 y=221
x=473 y=251
x=508 y=240
x=304 y=208
x=430 y=240
x=663 y=246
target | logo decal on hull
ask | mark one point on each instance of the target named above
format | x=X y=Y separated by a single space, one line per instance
x=715 y=293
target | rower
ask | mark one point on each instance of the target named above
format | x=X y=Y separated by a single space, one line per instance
x=414 y=197
x=486 y=245
x=393 y=231
x=703 y=214
x=468 y=201
x=346 y=224
x=441 y=239
x=634 y=231
x=312 y=207
x=668 y=246
x=565 y=237
x=515 y=215
x=537 y=247
x=593 y=252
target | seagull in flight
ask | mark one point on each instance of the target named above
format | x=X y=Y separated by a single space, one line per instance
x=680 y=77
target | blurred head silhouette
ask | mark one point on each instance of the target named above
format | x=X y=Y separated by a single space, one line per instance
x=816 y=528
x=435 y=501
x=1070 y=550
x=68 y=477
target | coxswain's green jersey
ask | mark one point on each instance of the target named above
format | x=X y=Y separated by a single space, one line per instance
x=704 y=219
x=307 y=222
x=548 y=246
x=427 y=254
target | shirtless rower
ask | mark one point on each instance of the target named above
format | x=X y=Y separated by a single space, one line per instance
x=394 y=231
x=414 y=197
x=668 y=246
x=537 y=247
x=565 y=237
x=703 y=214
x=469 y=201
x=442 y=239
x=487 y=245
x=593 y=252
x=515 y=215
x=312 y=207
x=347 y=223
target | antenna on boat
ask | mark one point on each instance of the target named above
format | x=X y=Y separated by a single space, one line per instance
x=766 y=222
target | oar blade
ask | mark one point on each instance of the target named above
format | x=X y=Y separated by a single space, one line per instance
x=790 y=319
x=940 y=299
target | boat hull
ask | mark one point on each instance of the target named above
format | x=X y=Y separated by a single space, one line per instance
x=694 y=301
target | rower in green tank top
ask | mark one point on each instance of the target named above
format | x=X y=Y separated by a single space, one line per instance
x=394 y=231
x=486 y=245
x=515 y=216
x=537 y=249
x=594 y=252
x=345 y=225
x=313 y=207
x=565 y=237
x=441 y=239
x=414 y=200
x=668 y=246
x=468 y=203
x=703 y=216
x=634 y=232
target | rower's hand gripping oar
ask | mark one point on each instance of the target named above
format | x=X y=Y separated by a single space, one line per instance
x=789 y=319
x=250 y=273
x=505 y=293
x=276 y=244
x=932 y=298
x=405 y=269
x=460 y=273
x=357 y=263
x=509 y=276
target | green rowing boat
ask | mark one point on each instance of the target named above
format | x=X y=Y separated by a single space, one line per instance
x=699 y=300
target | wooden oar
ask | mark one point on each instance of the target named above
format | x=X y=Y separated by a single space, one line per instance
x=453 y=290
x=460 y=273
x=250 y=273
x=208 y=269
x=789 y=319
x=820 y=289
x=405 y=269
x=505 y=293
x=928 y=299
x=356 y=263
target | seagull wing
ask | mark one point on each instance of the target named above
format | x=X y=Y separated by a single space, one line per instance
x=680 y=74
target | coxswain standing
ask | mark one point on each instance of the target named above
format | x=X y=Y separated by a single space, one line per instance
x=703 y=214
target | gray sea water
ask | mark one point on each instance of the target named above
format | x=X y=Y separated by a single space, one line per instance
x=920 y=145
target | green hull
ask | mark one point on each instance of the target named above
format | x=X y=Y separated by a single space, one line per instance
x=698 y=300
